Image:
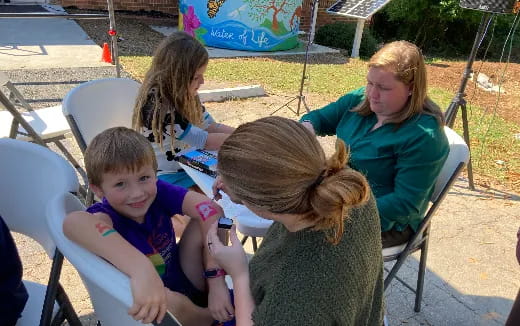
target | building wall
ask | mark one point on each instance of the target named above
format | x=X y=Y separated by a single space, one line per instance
x=323 y=18
x=166 y=6
x=171 y=7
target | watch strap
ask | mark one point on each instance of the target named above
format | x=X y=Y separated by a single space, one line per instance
x=214 y=273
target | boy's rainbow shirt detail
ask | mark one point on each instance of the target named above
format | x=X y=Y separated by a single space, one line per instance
x=158 y=263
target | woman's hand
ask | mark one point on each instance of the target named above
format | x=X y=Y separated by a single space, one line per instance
x=219 y=300
x=231 y=258
x=218 y=185
x=149 y=296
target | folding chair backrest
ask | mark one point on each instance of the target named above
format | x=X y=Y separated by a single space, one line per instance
x=459 y=153
x=30 y=175
x=109 y=289
x=98 y=105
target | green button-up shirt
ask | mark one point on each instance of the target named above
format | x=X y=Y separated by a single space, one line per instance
x=401 y=165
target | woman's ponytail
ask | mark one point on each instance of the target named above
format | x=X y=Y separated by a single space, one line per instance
x=340 y=189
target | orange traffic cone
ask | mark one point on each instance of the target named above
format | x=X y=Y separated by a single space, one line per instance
x=106 y=56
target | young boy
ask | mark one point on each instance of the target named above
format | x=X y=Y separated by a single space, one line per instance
x=132 y=229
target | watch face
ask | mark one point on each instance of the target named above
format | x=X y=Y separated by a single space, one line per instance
x=225 y=223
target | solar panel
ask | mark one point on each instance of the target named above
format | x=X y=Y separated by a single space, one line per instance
x=357 y=8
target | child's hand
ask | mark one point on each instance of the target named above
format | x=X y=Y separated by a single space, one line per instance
x=232 y=258
x=219 y=301
x=149 y=296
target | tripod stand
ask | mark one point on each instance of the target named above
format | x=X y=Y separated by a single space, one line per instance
x=310 y=39
x=458 y=99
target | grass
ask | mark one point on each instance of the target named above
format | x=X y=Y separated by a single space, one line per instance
x=495 y=151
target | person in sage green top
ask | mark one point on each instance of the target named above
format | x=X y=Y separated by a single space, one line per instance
x=395 y=135
x=320 y=262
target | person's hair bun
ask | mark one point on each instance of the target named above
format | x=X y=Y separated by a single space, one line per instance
x=340 y=189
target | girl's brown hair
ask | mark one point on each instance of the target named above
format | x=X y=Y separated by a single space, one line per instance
x=277 y=165
x=174 y=64
x=406 y=61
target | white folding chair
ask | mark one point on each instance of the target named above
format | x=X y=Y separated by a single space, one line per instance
x=99 y=104
x=42 y=126
x=109 y=288
x=457 y=159
x=30 y=176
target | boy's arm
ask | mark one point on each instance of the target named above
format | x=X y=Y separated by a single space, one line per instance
x=206 y=212
x=96 y=233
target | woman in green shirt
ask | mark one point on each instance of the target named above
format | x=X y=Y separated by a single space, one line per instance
x=320 y=262
x=395 y=135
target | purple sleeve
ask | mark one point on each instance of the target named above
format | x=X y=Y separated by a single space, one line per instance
x=98 y=208
x=170 y=197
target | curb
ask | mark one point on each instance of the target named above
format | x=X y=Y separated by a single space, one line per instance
x=223 y=94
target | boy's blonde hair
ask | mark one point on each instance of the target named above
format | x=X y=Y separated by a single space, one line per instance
x=174 y=64
x=117 y=149
x=277 y=165
x=406 y=62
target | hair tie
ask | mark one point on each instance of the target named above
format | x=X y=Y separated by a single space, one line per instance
x=319 y=179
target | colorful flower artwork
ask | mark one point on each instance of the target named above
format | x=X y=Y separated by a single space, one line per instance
x=190 y=21
x=253 y=25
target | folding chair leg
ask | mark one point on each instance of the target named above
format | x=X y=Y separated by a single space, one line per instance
x=253 y=239
x=393 y=272
x=420 y=276
x=66 y=306
x=71 y=159
x=52 y=289
x=89 y=198
x=59 y=318
x=54 y=293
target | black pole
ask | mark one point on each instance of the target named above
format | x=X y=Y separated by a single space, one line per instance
x=310 y=39
x=451 y=112
x=113 y=37
x=458 y=100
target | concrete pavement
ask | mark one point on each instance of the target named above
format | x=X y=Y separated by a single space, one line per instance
x=46 y=43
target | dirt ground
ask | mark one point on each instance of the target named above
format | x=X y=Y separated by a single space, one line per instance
x=448 y=74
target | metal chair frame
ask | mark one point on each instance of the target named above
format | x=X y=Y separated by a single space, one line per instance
x=419 y=241
x=10 y=104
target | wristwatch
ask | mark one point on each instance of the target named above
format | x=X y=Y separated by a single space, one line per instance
x=214 y=272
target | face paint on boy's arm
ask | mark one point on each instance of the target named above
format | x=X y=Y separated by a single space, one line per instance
x=104 y=229
x=206 y=210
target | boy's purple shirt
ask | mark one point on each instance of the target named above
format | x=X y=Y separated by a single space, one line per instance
x=155 y=237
